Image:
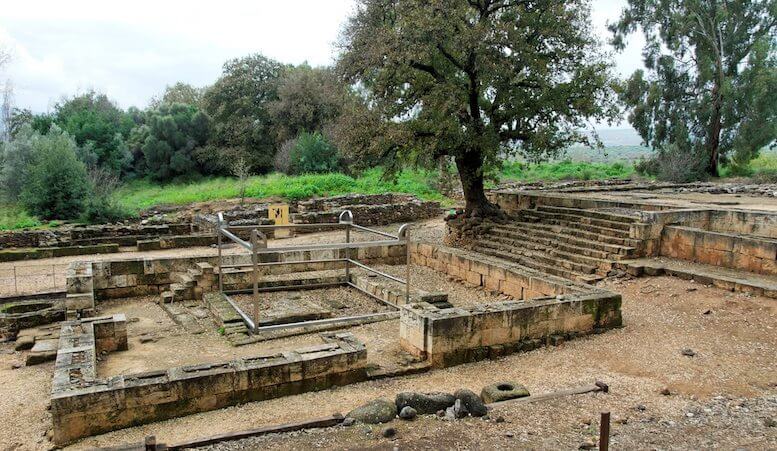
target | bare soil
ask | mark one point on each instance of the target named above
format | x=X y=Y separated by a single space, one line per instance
x=733 y=375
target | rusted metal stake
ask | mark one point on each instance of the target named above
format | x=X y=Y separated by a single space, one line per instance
x=255 y=262
x=604 y=432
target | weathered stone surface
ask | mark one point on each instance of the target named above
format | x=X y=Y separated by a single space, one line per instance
x=471 y=402
x=376 y=411
x=424 y=403
x=408 y=413
x=502 y=391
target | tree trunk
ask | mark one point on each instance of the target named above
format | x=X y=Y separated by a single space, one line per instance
x=715 y=128
x=470 y=167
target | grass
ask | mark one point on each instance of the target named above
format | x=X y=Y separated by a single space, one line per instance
x=565 y=170
x=140 y=195
x=13 y=217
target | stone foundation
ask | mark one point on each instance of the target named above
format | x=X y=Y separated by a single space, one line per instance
x=453 y=336
x=82 y=405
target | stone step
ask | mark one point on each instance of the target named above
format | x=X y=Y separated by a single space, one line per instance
x=590 y=213
x=167 y=297
x=532 y=216
x=569 y=244
x=536 y=265
x=572 y=233
x=578 y=261
x=724 y=278
x=583 y=220
x=194 y=273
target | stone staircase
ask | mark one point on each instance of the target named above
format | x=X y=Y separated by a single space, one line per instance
x=191 y=284
x=576 y=244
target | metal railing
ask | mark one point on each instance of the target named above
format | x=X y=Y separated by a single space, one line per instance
x=257 y=245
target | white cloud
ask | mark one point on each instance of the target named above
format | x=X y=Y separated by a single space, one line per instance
x=132 y=52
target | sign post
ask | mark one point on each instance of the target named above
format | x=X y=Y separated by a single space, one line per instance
x=280 y=214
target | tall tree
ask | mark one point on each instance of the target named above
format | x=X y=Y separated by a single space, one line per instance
x=308 y=99
x=99 y=127
x=238 y=104
x=178 y=93
x=710 y=82
x=476 y=80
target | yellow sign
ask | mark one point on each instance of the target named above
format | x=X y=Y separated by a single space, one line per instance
x=279 y=213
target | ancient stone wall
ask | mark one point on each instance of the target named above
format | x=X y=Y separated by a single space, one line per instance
x=90 y=235
x=492 y=274
x=457 y=335
x=727 y=250
x=370 y=215
x=84 y=405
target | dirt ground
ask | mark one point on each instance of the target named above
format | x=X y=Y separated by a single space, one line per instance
x=725 y=396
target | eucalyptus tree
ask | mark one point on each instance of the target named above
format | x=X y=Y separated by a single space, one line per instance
x=475 y=80
x=709 y=86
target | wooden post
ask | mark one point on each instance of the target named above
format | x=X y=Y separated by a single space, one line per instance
x=150 y=443
x=604 y=432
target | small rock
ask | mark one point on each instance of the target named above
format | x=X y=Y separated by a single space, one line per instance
x=708 y=312
x=770 y=422
x=440 y=413
x=665 y=391
x=374 y=412
x=500 y=419
x=147 y=339
x=689 y=290
x=407 y=413
x=688 y=352
x=389 y=432
x=588 y=444
x=510 y=434
x=16 y=365
x=502 y=391
x=471 y=402
x=641 y=407
x=348 y=421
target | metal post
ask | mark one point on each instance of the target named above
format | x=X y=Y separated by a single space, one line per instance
x=604 y=432
x=348 y=254
x=255 y=261
x=346 y=217
x=404 y=233
x=218 y=241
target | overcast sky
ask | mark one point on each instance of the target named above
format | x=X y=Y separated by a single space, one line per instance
x=131 y=53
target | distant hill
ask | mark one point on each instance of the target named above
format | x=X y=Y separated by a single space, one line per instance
x=622 y=144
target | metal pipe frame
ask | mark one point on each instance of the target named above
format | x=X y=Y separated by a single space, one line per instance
x=345 y=221
x=375 y=271
x=328 y=321
x=295 y=262
x=246 y=319
x=311 y=286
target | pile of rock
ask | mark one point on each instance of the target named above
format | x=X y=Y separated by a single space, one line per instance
x=447 y=406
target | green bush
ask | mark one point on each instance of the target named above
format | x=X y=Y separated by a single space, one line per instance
x=313 y=154
x=57 y=185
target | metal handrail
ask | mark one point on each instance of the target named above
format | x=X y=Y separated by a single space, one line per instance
x=258 y=245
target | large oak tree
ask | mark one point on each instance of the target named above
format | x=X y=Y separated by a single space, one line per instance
x=475 y=80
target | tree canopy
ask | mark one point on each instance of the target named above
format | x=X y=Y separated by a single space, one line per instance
x=476 y=80
x=238 y=104
x=708 y=90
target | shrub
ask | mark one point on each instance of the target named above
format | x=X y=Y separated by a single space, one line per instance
x=102 y=207
x=682 y=166
x=57 y=185
x=284 y=155
x=314 y=154
x=766 y=175
x=17 y=156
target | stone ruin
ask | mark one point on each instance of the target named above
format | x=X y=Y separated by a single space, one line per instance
x=547 y=258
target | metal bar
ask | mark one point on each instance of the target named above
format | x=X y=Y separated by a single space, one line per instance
x=327 y=246
x=255 y=260
x=328 y=321
x=604 y=432
x=406 y=235
x=284 y=226
x=295 y=262
x=15 y=285
x=234 y=238
x=361 y=290
x=373 y=270
x=348 y=254
x=311 y=286
x=221 y=262
x=246 y=319
x=378 y=232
